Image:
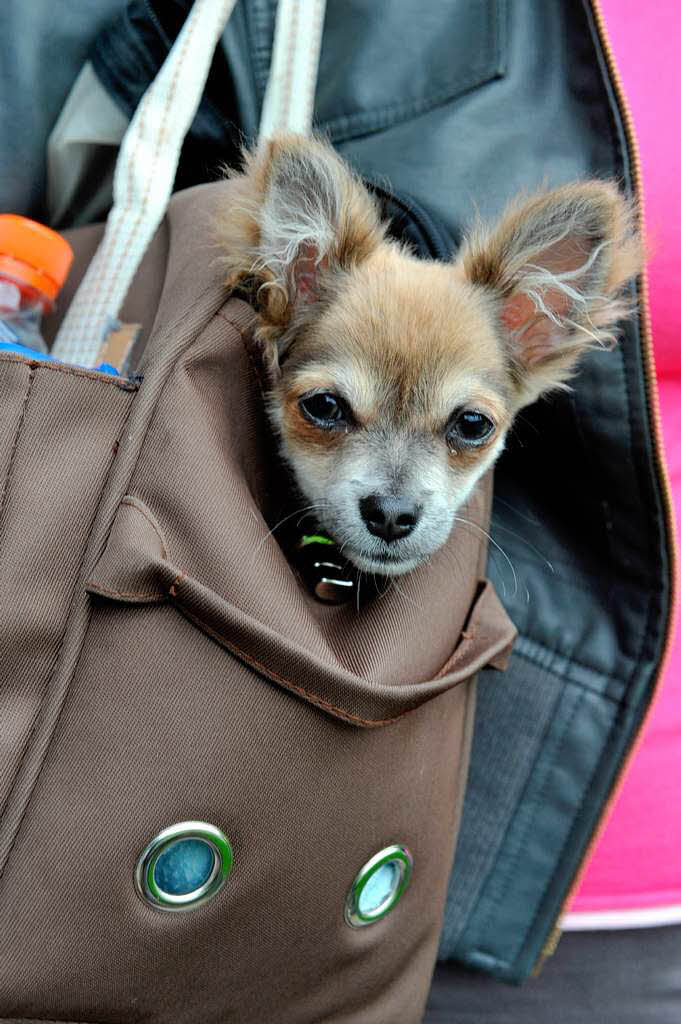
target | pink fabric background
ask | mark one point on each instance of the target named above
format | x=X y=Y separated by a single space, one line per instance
x=637 y=862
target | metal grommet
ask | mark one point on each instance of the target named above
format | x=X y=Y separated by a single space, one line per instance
x=378 y=886
x=183 y=866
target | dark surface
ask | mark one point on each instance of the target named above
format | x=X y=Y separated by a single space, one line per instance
x=627 y=977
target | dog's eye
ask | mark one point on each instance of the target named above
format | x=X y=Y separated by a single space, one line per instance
x=470 y=427
x=325 y=410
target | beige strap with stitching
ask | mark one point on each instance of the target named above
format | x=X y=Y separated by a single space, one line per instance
x=150 y=151
x=289 y=98
x=143 y=181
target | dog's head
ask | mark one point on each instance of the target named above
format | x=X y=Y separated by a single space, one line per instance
x=393 y=381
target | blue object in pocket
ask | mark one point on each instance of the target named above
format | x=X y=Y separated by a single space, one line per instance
x=31 y=353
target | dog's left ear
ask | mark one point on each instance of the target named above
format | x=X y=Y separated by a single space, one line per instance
x=556 y=267
x=297 y=216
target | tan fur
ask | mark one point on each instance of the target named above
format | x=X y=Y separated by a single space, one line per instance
x=406 y=343
x=558 y=230
x=239 y=230
x=407 y=326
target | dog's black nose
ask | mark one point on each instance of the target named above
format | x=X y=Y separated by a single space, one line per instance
x=389 y=518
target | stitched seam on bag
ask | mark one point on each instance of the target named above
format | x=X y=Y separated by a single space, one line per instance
x=86 y=626
x=168 y=377
x=87 y=623
x=50 y=678
x=248 y=658
x=96 y=588
x=465 y=750
x=286 y=683
x=172 y=590
x=465 y=642
x=121 y=383
x=10 y=466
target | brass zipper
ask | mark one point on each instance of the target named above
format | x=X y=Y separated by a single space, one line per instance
x=553 y=939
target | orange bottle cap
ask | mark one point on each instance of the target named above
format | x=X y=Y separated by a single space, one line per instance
x=34 y=254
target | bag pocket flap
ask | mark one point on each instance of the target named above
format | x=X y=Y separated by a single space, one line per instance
x=136 y=568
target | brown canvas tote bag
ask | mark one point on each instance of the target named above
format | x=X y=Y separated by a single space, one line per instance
x=161 y=662
x=163 y=667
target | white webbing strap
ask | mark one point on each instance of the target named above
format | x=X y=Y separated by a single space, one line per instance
x=289 y=97
x=143 y=181
x=150 y=151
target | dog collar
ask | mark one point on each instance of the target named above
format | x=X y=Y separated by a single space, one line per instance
x=329 y=578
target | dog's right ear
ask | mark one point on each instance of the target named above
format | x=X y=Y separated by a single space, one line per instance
x=297 y=215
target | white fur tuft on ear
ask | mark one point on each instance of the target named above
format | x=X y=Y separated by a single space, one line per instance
x=558 y=265
x=297 y=216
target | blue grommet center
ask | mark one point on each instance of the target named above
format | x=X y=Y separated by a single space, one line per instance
x=184 y=866
x=379 y=888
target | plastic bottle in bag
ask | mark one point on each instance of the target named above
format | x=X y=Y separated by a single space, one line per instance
x=34 y=263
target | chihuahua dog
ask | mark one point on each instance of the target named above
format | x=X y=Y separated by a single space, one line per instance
x=393 y=381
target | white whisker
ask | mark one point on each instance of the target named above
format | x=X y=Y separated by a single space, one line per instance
x=302 y=512
x=468 y=522
x=531 y=546
x=515 y=511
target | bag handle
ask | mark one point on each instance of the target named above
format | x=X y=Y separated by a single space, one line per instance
x=150 y=151
x=289 y=97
